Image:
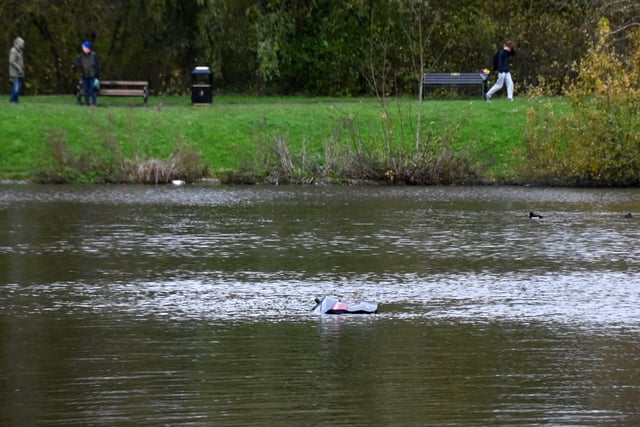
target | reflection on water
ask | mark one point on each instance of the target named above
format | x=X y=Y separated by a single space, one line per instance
x=191 y=305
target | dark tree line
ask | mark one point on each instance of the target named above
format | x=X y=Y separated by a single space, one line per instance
x=316 y=47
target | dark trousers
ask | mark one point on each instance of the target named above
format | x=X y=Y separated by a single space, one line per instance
x=16 y=85
x=89 y=91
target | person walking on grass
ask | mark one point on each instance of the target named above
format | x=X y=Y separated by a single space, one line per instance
x=502 y=67
x=90 y=67
x=16 y=69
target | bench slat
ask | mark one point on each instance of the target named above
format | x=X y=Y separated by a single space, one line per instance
x=121 y=92
x=123 y=83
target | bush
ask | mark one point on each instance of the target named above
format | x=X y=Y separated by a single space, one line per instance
x=596 y=142
x=106 y=164
x=348 y=158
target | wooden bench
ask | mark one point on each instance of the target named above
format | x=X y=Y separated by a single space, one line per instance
x=455 y=79
x=119 y=88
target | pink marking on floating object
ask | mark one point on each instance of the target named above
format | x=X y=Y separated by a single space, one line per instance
x=339 y=306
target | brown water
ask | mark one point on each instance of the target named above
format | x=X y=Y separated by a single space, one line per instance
x=191 y=306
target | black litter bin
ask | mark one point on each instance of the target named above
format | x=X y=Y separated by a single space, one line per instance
x=201 y=86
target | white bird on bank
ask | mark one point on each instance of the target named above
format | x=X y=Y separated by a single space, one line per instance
x=178 y=182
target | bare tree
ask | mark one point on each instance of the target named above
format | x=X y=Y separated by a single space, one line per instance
x=420 y=24
x=623 y=15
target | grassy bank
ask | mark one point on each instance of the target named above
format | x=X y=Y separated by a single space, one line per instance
x=235 y=132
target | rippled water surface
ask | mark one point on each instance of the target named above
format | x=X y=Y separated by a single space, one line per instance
x=191 y=306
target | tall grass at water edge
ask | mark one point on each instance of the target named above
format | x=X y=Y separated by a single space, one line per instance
x=241 y=138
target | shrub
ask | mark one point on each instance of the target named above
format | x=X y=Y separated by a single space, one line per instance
x=346 y=157
x=596 y=142
x=107 y=164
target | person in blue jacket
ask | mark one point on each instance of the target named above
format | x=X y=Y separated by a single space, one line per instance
x=90 y=66
x=504 y=75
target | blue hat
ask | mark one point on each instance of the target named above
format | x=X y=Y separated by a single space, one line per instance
x=87 y=45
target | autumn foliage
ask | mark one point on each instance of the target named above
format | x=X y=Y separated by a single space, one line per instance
x=597 y=143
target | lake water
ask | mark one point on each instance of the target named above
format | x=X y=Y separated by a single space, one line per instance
x=152 y=306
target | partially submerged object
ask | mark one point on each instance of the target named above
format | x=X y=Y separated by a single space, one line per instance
x=332 y=305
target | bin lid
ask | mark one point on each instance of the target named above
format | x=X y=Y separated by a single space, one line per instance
x=202 y=69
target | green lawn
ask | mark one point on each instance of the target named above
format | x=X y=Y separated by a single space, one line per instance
x=230 y=130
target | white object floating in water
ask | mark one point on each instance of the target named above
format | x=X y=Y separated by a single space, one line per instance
x=178 y=182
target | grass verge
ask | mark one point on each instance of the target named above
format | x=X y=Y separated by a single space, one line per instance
x=248 y=136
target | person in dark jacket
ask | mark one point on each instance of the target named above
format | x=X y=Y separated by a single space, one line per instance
x=16 y=68
x=504 y=75
x=89 y=64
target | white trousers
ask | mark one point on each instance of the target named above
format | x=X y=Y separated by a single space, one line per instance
x=502 y=77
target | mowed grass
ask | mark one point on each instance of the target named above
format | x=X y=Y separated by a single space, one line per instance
x=234 y=128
